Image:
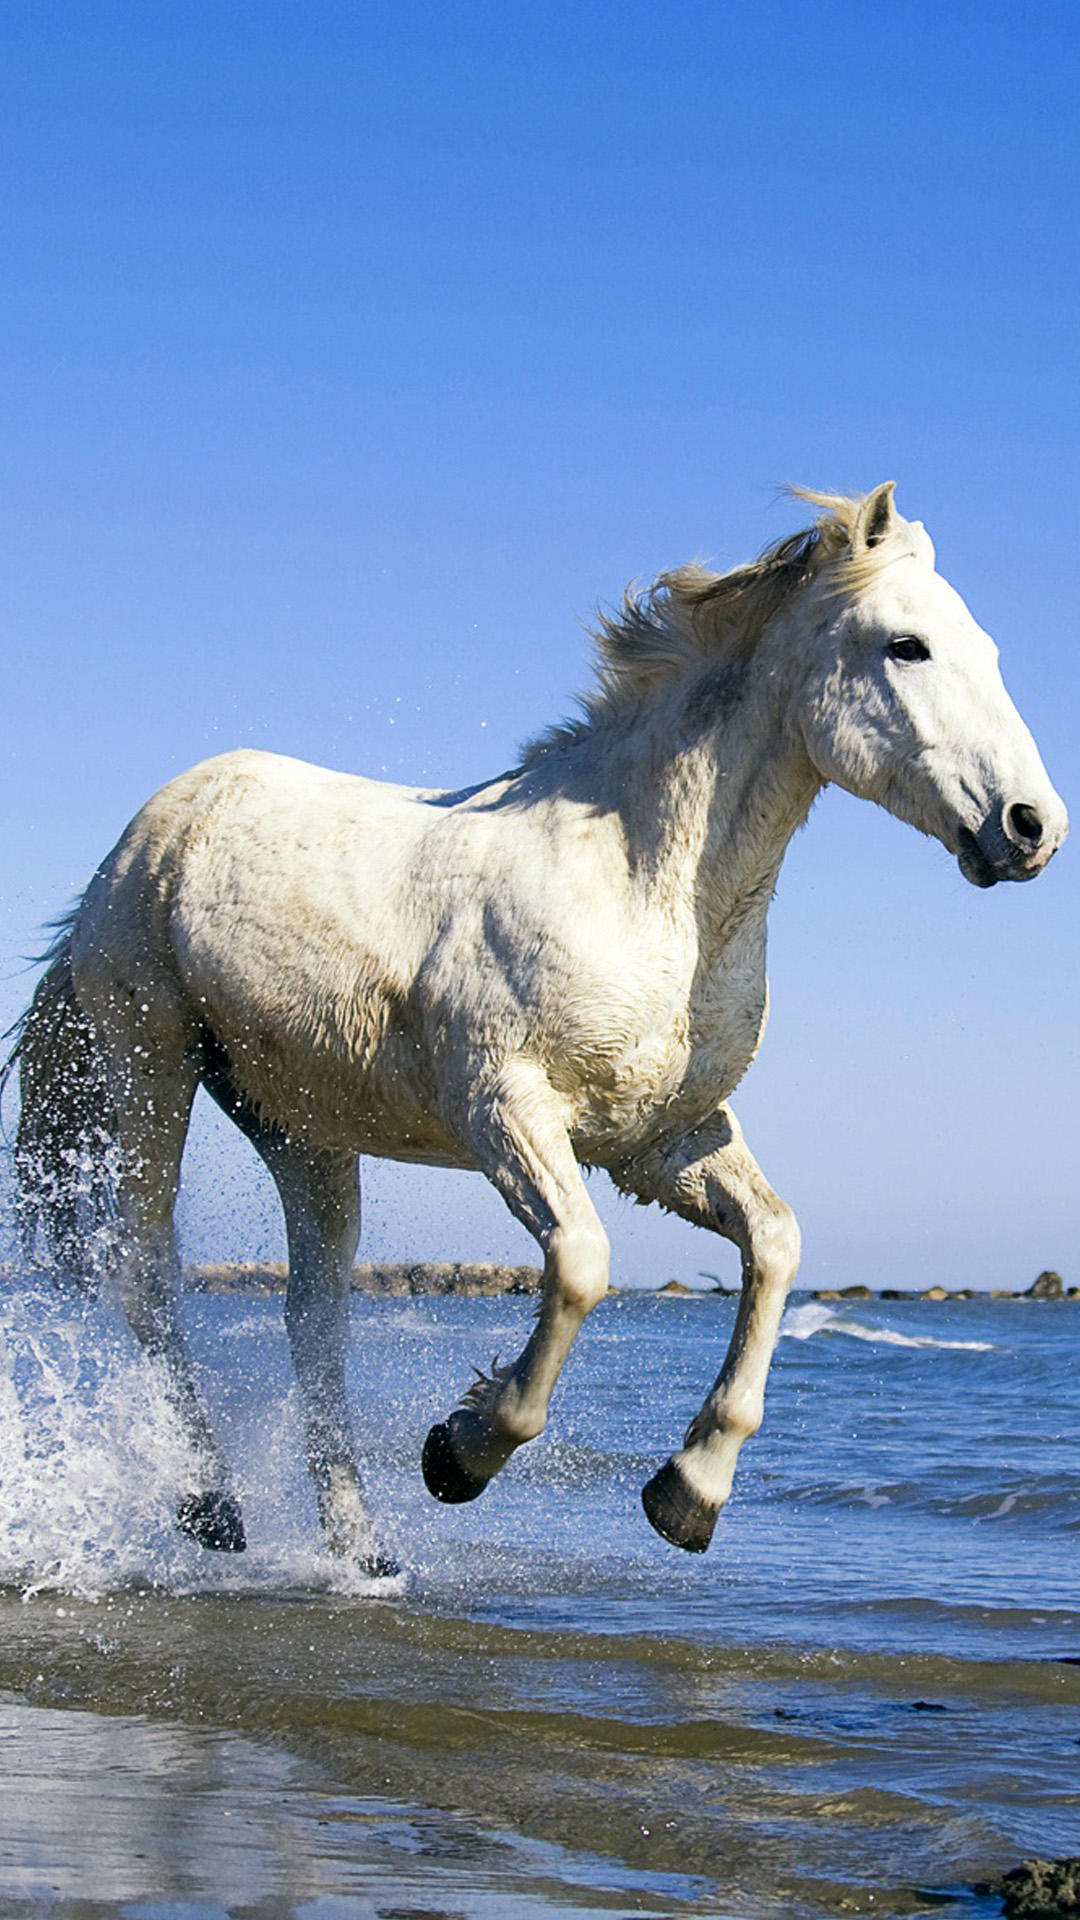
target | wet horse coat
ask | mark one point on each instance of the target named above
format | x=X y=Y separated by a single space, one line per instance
x=565 y=966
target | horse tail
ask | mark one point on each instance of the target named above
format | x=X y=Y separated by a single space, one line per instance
x=66 y=1122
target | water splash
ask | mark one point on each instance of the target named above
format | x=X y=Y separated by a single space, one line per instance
x=95 y=1462
x=93 y=1455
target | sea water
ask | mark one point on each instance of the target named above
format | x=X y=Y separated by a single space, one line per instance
x=864 y=1699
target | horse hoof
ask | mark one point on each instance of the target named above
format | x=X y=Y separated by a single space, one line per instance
x=212 y=1520
x=379 y=1566
x=442 y=1475
x=679 y=1515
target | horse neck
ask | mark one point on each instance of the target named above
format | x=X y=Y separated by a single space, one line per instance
x=716 y=781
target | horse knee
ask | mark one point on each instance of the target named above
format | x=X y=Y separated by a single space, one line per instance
x=776 y=1245
x=579 y=1260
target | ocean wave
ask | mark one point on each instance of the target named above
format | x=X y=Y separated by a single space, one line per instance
x=1053 y=1498
x=803 y=1322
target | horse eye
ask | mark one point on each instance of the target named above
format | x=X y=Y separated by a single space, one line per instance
x=908 y=648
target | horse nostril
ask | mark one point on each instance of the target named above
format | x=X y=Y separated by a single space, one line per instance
x=1023 y=825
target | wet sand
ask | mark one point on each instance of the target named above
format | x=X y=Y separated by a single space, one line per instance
x=264 y=1754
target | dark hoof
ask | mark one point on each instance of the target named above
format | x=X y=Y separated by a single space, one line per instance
x=678 y=1514
x=379 y=1566
x=213 y=1520
x=442 y=1475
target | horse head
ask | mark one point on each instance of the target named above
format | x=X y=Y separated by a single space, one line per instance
x=903 y=701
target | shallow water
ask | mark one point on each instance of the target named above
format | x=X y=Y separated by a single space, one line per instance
x=863 y=1699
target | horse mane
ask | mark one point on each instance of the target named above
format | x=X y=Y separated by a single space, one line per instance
x=691 y=616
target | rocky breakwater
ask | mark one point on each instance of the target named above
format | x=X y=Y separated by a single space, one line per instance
x=393 y=1279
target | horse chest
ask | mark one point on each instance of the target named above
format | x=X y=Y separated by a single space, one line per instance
x=675 y=1063
x=727 y=1033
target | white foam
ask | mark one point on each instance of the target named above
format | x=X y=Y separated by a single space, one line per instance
x=802 y=1322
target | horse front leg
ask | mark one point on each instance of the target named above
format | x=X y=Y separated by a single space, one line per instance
x=712 y=1178
x=517 y=1132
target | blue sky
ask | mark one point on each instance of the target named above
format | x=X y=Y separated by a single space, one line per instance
x=350 y=354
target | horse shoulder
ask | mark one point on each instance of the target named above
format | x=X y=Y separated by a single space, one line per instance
x=540 y=904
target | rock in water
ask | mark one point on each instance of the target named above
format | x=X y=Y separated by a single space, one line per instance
x=1039 y=1890
x=1048 y=1286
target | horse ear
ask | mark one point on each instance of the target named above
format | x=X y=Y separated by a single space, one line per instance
x=877 y=517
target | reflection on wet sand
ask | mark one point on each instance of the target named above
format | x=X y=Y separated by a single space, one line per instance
x=101 y=1816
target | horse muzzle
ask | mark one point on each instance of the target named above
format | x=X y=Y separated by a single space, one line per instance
x=1015 y=845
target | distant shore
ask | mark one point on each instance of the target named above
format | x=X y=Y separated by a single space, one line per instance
x=479 y=1279
x=1047 y=1286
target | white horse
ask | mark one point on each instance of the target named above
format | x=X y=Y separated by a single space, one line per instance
x=564 y=966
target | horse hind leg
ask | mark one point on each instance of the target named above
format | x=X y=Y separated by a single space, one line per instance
x=148 y=1280
x=152 y=1078
x=320 y=1198
x=517 y=1132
